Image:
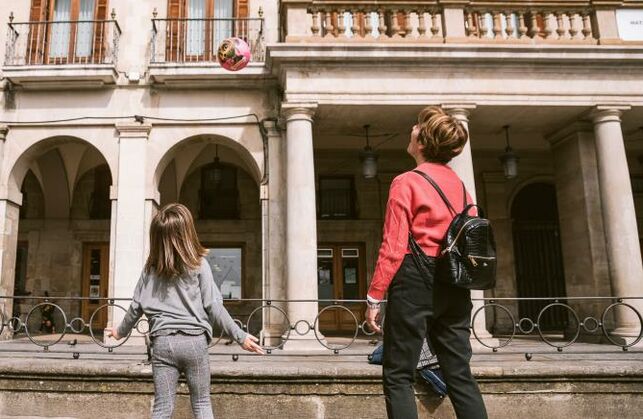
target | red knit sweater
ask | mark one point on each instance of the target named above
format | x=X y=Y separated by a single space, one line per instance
x=414 y=204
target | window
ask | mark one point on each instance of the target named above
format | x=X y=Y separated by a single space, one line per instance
x=336 y=197
x=219 y=192
x=227 y=269
x=100 y=206
x=208 y=23
x=20 y=281
x=67 y=31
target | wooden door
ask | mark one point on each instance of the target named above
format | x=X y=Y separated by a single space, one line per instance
x=341 y=276
x=94 y=283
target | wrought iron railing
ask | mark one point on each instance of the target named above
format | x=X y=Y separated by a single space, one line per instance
x=78 y=42
x=185 y=40
x=44 y=323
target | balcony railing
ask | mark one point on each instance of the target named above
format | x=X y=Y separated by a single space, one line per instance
x=376 y=22
x=558 y=25
x=197 y=40
x=399 y=21
x=77 y=42
x=338 y=325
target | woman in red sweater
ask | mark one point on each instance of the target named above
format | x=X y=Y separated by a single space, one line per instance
x=419 y=306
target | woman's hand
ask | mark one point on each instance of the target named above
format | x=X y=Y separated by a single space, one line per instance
x=250 y=345
x=372 y=317
x=112 y=332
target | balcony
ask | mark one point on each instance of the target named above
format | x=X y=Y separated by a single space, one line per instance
x=467 y=21
x=184 y=50
x=59 y=54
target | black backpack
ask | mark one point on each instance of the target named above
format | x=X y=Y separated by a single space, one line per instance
x=467 y=256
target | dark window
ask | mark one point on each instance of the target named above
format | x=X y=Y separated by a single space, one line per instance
x=100 y=206
x=336 y=197
x=219 y=192
x=21 y=269
x=227 y=269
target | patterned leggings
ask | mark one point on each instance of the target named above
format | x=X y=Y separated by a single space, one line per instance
x=171 y=355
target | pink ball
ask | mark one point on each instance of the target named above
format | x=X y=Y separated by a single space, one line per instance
x=233 y=54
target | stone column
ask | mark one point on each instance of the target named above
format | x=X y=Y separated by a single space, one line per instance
x=301 y=223
x=9 y=218
x=619 y=217
x=274 y=286
x=582 y=236
x=129 y=229
x=463 y=166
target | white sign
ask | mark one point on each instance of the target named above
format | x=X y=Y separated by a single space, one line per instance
x=630 y=24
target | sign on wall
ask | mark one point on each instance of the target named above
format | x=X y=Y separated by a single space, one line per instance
x=630 y=24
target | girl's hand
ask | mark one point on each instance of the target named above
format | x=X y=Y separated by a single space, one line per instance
x=250 y=345
x=112 y=332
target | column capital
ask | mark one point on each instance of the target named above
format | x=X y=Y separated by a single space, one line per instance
x=460 y=111
x=298 y=111
x=608 y=113
x=4 y=130
x=133 y=129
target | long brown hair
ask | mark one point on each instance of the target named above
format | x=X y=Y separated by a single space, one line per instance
x=174 y=246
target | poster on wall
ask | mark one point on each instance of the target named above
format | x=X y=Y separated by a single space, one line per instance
x=630 y=24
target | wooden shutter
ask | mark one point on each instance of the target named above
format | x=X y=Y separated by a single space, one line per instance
x=174 y=30
x=241 y=26
x=38 y=31
x=241 y=8
x=100 y=32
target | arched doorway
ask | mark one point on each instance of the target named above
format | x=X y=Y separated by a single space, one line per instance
x=63 y=234
x=538 y=254
x=211 y=177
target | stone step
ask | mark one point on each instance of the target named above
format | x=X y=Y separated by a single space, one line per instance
x=581 y=386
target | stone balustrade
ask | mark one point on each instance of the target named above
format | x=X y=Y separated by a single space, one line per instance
x=529 y=25
x=376 y=22
x=451 y=21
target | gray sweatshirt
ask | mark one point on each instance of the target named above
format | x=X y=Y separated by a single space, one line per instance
x=190 y=304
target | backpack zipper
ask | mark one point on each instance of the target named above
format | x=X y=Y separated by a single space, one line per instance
x=472 y=259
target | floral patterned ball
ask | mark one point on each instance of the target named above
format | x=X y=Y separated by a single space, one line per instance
x=233 y=54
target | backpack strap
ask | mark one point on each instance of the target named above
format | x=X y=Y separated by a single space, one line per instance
x=442 y=195
x=464 y=196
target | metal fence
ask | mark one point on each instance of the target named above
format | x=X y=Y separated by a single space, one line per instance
x=78 y=42
x=185 y=40
x=46 y=321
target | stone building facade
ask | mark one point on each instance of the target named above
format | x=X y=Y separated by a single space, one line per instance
x=112 y=108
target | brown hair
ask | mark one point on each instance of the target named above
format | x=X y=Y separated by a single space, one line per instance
x=442 y=135
x=174 y=246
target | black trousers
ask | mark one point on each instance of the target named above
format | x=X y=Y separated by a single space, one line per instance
x=420 y=307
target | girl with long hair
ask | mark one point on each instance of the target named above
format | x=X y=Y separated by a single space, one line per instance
x=177 y=294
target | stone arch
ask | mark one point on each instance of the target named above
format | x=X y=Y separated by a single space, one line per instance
x=188 y=149
x=520 y=186
x=69 y=153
